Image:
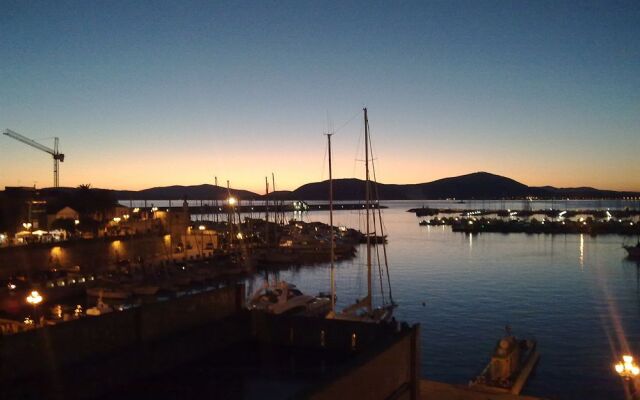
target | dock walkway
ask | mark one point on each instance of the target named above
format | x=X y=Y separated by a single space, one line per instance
x=432 y=390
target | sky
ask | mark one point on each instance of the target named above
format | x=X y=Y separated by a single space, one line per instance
x=153 y=93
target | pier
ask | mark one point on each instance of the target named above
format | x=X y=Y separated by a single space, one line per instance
x=433 y=390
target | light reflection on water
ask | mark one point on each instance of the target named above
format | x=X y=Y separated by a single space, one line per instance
x=576 y=294
x=582 y=252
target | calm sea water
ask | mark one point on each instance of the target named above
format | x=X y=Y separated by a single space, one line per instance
x=577 y=295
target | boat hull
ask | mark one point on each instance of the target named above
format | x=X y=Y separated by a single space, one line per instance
x=108 y=293
x=633 y=251
x=530 y=359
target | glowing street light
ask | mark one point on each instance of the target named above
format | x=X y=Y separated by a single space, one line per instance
x=126 y=217
x=77 y=222
x=232 y=201
x=202 y=227
x=27 y=225
x=34 y=299
x=116 y=219
x=627 y=369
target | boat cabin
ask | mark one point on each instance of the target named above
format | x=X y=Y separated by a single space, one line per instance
x=505 y=359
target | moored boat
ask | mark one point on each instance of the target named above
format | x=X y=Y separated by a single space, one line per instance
x=633 y=251
x=99 y=309
x=285 y=298
x=363 y=309
x=108 y=292
x=511 y=364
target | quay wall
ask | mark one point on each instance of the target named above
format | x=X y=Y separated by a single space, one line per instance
x=92 y=357
x=390 y=374
x=317 y=332
x=161 y=319
x=384 y=365
x=48 y=349
x=90 y=254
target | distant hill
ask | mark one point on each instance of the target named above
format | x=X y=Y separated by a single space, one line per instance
x=472 y=186
x=176 y=192
x=478 y=185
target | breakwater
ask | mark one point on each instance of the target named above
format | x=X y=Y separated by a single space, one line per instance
x=550 y=212
x=586 y=226
x=246 y=207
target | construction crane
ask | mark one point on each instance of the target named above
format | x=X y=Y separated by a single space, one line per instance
x=57 y=156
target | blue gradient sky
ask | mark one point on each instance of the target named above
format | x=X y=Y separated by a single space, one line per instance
x=158 y=93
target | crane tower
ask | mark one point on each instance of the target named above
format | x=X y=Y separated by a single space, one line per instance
x=57 y=156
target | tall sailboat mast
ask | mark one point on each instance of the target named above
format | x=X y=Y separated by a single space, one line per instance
x=331 y=237
x=216 y=196
x=275 y=203
x=266 y=211
x=230 y=214
x=367 y=205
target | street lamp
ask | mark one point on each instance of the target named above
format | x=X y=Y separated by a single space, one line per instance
x=27 y=225
x=232 y=201
x=34 y=299
x=627 y=369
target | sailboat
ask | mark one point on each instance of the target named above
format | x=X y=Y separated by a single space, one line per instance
x=363 y=309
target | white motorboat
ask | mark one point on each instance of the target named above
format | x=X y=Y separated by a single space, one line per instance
x=285 y=298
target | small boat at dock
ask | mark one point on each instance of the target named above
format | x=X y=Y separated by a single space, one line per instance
x=285 y=298
x=511 y=364
x=633 y=251
x=108 y=292
x=100 y=308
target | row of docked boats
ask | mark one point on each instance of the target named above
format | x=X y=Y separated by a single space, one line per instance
x=307 y=243
x=170 y=277
x=122 y=281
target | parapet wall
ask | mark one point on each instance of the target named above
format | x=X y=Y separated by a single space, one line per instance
x=46 y=349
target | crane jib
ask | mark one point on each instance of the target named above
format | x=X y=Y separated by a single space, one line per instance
x=57 y=156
